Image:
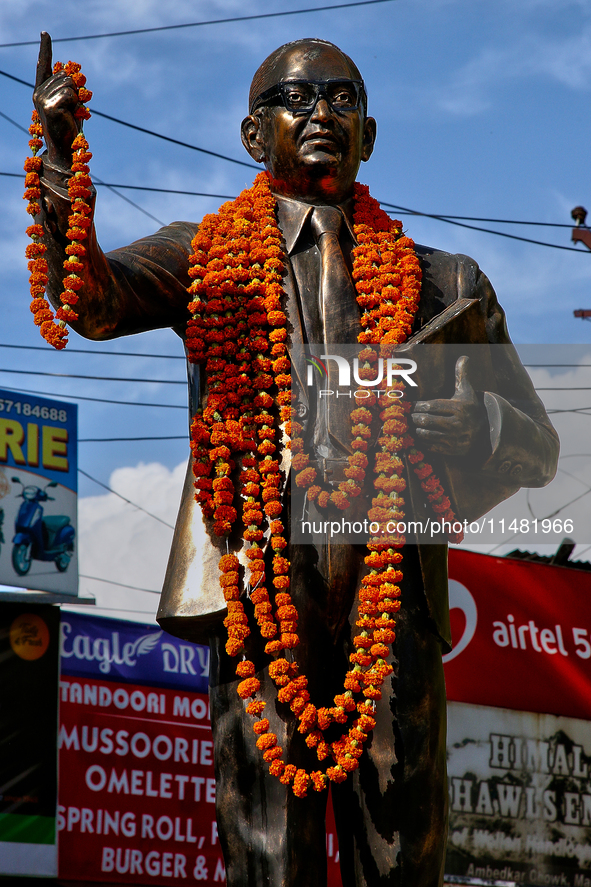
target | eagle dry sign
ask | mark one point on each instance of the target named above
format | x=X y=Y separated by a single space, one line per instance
x=38 y=492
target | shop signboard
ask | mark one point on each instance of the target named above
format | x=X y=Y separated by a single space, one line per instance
x=519 y=738
x=38 y=493
x=520 y=796
x=522 y=635
x=137 y=785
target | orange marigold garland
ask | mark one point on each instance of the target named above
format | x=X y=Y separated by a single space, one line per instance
x=53 y=327
x=238 y=329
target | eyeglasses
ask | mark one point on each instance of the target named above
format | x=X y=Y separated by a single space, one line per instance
x=302 y=96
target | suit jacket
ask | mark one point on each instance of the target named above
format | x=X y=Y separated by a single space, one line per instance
x=143 y=286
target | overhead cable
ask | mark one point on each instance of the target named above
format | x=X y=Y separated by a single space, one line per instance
x=413 y=212
x=410 y=212
x=120 y=584
x=129 y=502
x=96 y=181
x=94 y=378
x=120 y=439
x=125 y=403
x=93 y=351
x=151 y=132
x=218 y=21
x=451 y=220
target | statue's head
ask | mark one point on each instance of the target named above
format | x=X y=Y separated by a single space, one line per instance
x=308 y=121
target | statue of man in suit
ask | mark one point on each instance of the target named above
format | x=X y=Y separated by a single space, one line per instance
x=308 y=125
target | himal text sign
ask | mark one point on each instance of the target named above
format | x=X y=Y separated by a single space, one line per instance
x=520 y=801
x=38 y=493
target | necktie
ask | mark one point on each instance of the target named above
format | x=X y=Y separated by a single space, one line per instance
x=340 y=319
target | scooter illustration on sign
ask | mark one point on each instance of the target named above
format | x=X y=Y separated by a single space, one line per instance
x=37 y=537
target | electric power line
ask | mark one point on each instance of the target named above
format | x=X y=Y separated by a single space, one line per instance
x=219 y=21
x=125 y=403
x=444 y=217
x=95 y=378
x=22 y=129
x=572 y=249
x=151 y=132
x=394 y=206
x=120 y=584
x=120 y=439
x=94 y=351
x=451 y=220
x=97 y=181
x=129 y=502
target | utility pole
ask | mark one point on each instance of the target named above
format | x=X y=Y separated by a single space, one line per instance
x=581 y=234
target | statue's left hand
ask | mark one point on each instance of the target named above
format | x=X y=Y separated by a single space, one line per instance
x=56 y=99
x=452 y=426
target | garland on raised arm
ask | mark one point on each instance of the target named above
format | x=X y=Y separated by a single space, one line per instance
x=53 y=327
x=239 y=331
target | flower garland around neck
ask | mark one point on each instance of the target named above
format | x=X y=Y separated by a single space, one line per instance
x=53 y=327
x=238 y=330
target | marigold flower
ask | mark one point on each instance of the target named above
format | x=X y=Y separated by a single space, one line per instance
x=274 y=647
x=272 y=754
x=238 y=257
x=288 y=774
x=261 y=726
x=267 y=740
x=336 y=774
x=277 y=768
x=233 y=646
x=248 y=687
x=255 y=707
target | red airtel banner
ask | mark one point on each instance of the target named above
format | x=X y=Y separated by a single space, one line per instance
x=521 y=635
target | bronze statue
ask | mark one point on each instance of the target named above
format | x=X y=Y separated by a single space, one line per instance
x=308 y=125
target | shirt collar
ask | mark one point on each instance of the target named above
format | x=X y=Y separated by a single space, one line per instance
x=293 y=214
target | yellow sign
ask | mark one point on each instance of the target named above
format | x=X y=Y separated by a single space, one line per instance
x=29 y=636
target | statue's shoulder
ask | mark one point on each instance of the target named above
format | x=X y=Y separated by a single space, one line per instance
x=448 y=272
x=448 y=277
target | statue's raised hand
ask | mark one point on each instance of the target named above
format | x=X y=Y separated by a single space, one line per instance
x=56 y=100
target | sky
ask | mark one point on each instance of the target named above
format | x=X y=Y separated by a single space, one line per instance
x=482 y=111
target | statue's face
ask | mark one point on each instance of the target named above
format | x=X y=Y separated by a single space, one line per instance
x=314 y=155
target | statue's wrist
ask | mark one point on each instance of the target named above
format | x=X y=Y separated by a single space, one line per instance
x=57 y=162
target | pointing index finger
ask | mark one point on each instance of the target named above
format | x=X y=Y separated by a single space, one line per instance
x=44 y=69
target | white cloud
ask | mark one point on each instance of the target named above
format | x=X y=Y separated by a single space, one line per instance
x=525 y=55
x=123 y=544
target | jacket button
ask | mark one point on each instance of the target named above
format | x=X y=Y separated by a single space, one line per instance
x=504 y=467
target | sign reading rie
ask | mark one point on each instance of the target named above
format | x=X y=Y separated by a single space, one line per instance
x=522 y=634
x=38 y=493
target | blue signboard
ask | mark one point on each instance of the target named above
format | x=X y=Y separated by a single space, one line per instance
x=38 y=493
x=96 y=646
